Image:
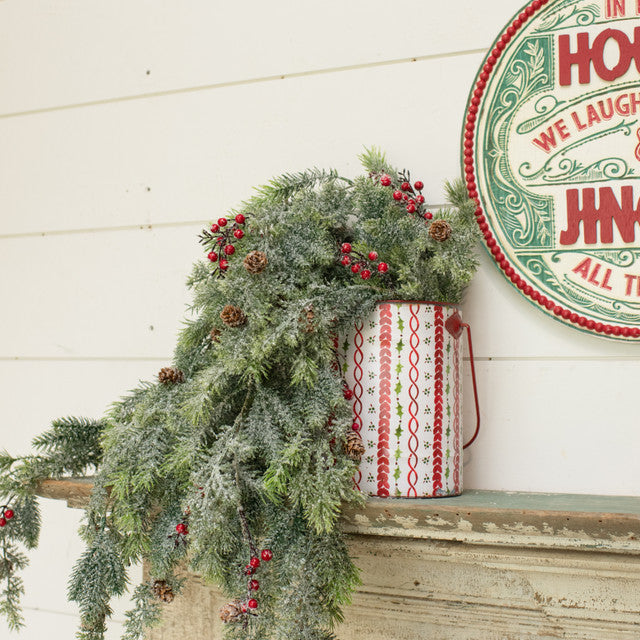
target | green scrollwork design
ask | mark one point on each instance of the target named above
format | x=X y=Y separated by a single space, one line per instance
x=545 y=107
x=569 y=11
x=561 y=169
x=606 y=308
x=614 y=257
x=525 y=218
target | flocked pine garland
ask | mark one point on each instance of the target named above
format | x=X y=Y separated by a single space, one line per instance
x=239 y=459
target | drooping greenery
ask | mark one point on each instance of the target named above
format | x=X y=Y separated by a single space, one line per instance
x=245 y=446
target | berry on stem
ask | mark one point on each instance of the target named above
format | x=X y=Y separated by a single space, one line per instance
x=240 y=219
x=345 y=248
x=383 y=267
x=428 y=215
x=266 y=554
x=222 y=222
x=254 y=585
x=252 y=604
x=229 y=249
x=347 y=394
x=419 y=185
x=355 y=268
x=212 y=255
x=411 y=208
x=249 y=570
x=397 y=195
x=215 y=228
x=8 y=514
x=373 y=255
x=254 y=562
x=385 y=180
x=224 y=264
x=346 y=261
x=405 y=186
x=238 y=233
x=181 y=527
x=366 y=274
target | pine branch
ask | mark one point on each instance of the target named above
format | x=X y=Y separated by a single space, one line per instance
x=285 y=186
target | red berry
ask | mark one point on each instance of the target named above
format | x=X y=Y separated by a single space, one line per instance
x=366 y=274
x=215 y=228
x=252 y=604
x=355 y=268
x=383 y=267
x=224 y=264
x=345 y=248
x=405 y=197
x=385 y=180
x=212 y=255
x=254 y=562
x=410 y=208
x=240 y=219
x=347 y=393
x=8 y=514
x=373 y=255
x=229 y=249
x=222 y=222
x=244 y=608
x=2 y=522
x=397 y=195
x=181 y=527
x=419 y=186
x=254 y=585
x=346 y=260
x=405 y=186
x=238 y=233
x=428 y=215
x=249 y=570
x=355 y=427
x=266 y=554
x=420 y=199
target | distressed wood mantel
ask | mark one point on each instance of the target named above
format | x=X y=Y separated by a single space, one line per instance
x=482 y=566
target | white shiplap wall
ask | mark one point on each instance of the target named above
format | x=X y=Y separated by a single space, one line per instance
x=126 y=125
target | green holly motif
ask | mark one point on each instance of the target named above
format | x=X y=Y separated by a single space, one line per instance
x=398 y=432
x=398 y=388
x=399 y=368
x=400 y=346
x=399 y=410
x=397 y=455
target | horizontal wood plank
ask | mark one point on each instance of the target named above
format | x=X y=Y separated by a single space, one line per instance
x=68 y=50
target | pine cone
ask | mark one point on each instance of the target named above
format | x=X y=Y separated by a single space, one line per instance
x=163 y=591
x=168 y=375
x=354 y=447
x=233 y=316
x=307 y=318
x=440 y=230
x=256 y=262
x=232 y=611
x=215 y=334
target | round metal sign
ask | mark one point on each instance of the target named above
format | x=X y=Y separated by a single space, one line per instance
x=552 y=157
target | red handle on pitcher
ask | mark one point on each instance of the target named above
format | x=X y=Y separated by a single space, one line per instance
x=475 y=386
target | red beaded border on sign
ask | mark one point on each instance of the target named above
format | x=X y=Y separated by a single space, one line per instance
x=498 y=256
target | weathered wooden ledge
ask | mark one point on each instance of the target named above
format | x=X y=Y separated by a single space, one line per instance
x=482 y=566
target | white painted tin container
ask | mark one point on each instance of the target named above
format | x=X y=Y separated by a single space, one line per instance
x=404 y=364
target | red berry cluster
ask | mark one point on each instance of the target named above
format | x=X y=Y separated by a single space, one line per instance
x=366 y=266
x=6 y=513
x=407 y=195
x=251 y=604
x=182 y=530
x=219 y=241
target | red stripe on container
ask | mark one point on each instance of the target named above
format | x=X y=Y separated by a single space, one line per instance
x=384 y=400
x=438 y=400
